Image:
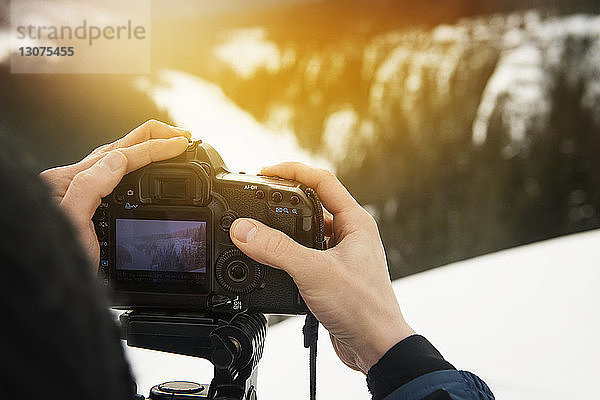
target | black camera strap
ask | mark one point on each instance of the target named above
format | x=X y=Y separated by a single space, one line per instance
x=311 y=334
x=311 y=324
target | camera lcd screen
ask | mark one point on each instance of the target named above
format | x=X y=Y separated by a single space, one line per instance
x=161 y=252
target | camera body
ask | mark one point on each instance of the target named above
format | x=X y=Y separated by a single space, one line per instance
x=164 y=237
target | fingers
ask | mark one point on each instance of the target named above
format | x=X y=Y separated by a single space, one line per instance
x=332 y=193
x=88 y=187
x=151 y=129
x=152 y=150
x=274 y=248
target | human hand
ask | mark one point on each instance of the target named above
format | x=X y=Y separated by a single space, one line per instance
x=78 y=188
x=347 y=287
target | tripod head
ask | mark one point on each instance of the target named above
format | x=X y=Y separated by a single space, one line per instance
x=233 y=344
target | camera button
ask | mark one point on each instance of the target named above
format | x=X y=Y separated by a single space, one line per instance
x=100 y=214
x=226 y=222
x=227 y=219
x=260 y=194
x=295 y=200
x=276 y=197
x=237 y=271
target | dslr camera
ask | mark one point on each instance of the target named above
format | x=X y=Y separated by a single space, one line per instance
x=165 y=245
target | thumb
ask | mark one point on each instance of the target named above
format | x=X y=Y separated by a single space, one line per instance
x=272 y=247
x=89 y=186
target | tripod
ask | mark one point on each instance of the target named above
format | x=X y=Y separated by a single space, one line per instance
x=233 y=344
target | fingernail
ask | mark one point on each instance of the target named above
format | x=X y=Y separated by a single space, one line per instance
x=184 y=132
x=180 y=139
x=113 y=161
x=244 y=230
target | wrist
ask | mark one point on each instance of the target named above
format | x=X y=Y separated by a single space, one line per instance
x=382 y=339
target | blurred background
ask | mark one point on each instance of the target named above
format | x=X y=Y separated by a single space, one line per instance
x=465 y=126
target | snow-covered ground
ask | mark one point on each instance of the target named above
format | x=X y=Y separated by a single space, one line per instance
x=525 y=320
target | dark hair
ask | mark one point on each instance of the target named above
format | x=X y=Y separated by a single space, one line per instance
x=58 y=339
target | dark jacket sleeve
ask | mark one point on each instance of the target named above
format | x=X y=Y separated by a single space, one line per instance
x=415 y=370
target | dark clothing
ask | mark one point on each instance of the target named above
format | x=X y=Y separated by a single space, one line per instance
x=414 y=369
x=407 y=360
x=58 y=339
x=443 y=385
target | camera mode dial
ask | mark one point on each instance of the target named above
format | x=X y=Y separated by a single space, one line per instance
x=237 y=273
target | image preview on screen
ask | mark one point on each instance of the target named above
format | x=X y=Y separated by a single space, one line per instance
x=160 y=245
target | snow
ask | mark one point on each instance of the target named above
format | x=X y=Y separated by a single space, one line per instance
x=337 y=135
x=524 y=319
x=416 y=72
x=531 y=55
x=247 y=50
x=522 y=82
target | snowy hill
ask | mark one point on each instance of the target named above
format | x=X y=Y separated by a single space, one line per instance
x=513 y=317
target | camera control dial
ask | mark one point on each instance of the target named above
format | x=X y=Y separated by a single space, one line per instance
x=237 y=273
